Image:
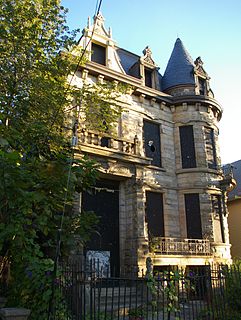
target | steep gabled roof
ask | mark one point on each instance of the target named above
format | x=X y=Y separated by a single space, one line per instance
x=127 y=59
x=179 y=70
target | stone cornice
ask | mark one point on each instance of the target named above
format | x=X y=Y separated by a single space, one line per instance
x=97 y=69
x=201 y=99
x=150 y=93
x=111 y=154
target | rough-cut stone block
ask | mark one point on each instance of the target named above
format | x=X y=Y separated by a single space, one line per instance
x=14 y=313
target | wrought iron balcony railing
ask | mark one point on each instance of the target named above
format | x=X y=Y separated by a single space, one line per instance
x=175 y=246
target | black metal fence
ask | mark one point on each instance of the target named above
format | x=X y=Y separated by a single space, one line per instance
x=198 y=293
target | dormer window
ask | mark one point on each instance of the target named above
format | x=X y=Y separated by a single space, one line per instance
x=148 y=77
x=149 y=70
x=201 y=78
x=98 y=54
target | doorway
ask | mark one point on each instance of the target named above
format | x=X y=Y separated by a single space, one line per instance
x=104 y=201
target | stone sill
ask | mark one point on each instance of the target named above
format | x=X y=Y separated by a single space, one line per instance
x=198 y=170
x=156 y=168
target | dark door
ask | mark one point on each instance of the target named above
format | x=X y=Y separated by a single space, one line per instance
x=104 y=201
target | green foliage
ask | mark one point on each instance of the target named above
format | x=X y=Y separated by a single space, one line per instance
x=35 y=285
x=226 y=291
x=169 y=292
x=99 y=105
x=35 y=153
x=137 y=313
x=232 y=275
x=36 y=183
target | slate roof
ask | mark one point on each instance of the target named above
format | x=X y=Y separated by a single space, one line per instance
x=127 y=59
x=179 y=69
x=237 y=176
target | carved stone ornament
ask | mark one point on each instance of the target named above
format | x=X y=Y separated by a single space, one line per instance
x=198 y=62
x=99 y=20
x=199 y=67
x=148 y=55
x=115 y=168
x=99 y=25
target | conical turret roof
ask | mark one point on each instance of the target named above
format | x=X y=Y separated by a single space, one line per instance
x=179 y=70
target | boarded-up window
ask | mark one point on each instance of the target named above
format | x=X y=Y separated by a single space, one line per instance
x=193 y=217
x=187 y=147
x=98 y=54
x=152 y=142
x=210 y=148
x=148 y=77
x=217 y=210
x=154 y=214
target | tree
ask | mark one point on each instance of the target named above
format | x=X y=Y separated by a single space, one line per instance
x=35 y=153
x=37 y=175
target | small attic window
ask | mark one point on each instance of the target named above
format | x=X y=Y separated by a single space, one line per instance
x=148 y=77
x=98 y=54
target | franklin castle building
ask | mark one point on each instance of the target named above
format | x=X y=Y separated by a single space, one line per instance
x=161 y=192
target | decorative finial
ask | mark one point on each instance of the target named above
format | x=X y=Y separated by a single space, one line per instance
x=147 y=51
x=110 y=32
x=88 y=22
x=147 y=55
x=99 y=19
x=198 y=62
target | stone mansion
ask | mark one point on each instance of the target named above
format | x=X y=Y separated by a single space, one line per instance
x=161 y=192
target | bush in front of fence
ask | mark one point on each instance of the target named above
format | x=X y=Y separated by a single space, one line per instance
x=137 y=313
x=232 y=292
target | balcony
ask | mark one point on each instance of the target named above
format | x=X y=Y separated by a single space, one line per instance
x=105 y=145
x=175 y=246
x=106 y=141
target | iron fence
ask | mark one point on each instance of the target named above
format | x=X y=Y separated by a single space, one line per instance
x=198 y=293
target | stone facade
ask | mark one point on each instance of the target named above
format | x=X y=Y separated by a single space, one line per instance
x=149 y=102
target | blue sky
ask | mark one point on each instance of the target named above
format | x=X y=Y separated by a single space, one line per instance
x=208 y=28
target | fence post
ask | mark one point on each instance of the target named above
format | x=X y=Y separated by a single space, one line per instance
x=14 y=313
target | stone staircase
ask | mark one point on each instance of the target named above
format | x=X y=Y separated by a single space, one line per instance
x=118 y=300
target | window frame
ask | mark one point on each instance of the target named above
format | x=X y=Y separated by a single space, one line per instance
x=188 y=156
x=211 y=151
x=148 y=73
x=149 y=143
x=193 y=216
